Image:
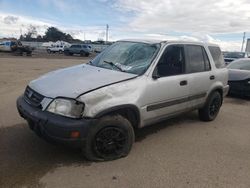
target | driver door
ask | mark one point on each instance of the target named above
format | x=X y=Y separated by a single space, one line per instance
x=167 y=92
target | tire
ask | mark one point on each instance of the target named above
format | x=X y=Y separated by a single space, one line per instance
x=49 y=51
x=60 y=51
x=82 y=53
x=100 y=146
x=86 y=54
x=212 y=107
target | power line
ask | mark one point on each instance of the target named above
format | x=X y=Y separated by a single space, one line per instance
x=107 y=32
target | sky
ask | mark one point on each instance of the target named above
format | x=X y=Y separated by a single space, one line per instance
x=222 y=22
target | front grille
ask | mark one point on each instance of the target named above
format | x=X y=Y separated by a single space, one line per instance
x=32 y=97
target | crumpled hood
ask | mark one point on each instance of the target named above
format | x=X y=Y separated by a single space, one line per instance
x=236 y=74
x=74 y=81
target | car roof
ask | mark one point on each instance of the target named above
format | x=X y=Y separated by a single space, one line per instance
x=157 y=41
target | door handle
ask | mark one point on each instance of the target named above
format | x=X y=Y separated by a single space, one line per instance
x=212 y=77
x=183 y=83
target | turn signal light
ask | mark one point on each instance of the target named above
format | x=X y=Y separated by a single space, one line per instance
x=75 y=134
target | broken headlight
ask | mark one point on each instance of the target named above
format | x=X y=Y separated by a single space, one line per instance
x=66 y=107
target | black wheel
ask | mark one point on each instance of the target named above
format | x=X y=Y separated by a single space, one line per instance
x=111 y=138
x=212 y=107
x=82 y=53
x=86 y=54
x=60 y=51
x=49 y=51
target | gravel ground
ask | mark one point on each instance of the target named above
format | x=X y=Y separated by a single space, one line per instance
x=182 y=152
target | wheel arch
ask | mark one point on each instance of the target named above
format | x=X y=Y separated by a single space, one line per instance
x=218 y=89
x=129 y=111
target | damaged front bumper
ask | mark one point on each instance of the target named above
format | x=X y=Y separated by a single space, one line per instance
x=54 y=127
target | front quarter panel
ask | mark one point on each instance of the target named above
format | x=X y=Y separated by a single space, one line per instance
x=123 y=93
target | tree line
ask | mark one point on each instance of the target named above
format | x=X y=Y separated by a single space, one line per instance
x=52 y=34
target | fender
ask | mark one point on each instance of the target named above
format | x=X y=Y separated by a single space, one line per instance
x=121 y=107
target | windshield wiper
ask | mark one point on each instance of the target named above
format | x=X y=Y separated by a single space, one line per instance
x=114 y=65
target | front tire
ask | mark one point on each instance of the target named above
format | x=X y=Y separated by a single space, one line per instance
x=111 y=138
x=212 y=107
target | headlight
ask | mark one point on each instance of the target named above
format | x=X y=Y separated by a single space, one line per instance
x=66 y=107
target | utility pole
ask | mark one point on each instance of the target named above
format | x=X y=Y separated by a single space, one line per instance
x=107 y=33
x=243 y=41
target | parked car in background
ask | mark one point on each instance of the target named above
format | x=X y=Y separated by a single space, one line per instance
x=16 y=47
x=131 y=84
x=239 y=77
x=231 y=56
x=54 y=49
x=82 y=49
x=8 y=46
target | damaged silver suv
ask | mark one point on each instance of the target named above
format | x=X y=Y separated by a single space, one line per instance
x=132 y=84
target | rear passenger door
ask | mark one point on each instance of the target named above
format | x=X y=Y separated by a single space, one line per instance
x=199 y=73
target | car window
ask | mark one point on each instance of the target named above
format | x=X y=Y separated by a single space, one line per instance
x=217 y=56
x=73 y=46
x=197 y=59
x=235 y=55
x=240 y=64
x=172 y=61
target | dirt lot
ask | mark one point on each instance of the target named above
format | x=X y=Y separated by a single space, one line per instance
x=182 y=152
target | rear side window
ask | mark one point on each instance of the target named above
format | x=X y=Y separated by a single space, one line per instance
x=197 y=59
x=217 y=56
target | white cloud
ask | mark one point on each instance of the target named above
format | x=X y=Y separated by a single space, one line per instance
x=202 y=16
x=152 y=19
x=13 y=25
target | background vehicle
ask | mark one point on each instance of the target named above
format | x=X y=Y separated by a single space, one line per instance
x=54 y=49
x=231 y=56
x=132 y=84
x=8 y=46
x=16 y=47
x=239 y=77
x=82 y=49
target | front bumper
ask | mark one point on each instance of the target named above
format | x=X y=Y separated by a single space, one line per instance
x=54 y=127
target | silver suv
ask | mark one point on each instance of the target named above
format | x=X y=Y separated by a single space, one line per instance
x=132 y=84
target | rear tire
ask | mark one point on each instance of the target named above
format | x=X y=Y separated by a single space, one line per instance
x=82 y=53
x=111 y=138
x=212 y=107
x=49 y=51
